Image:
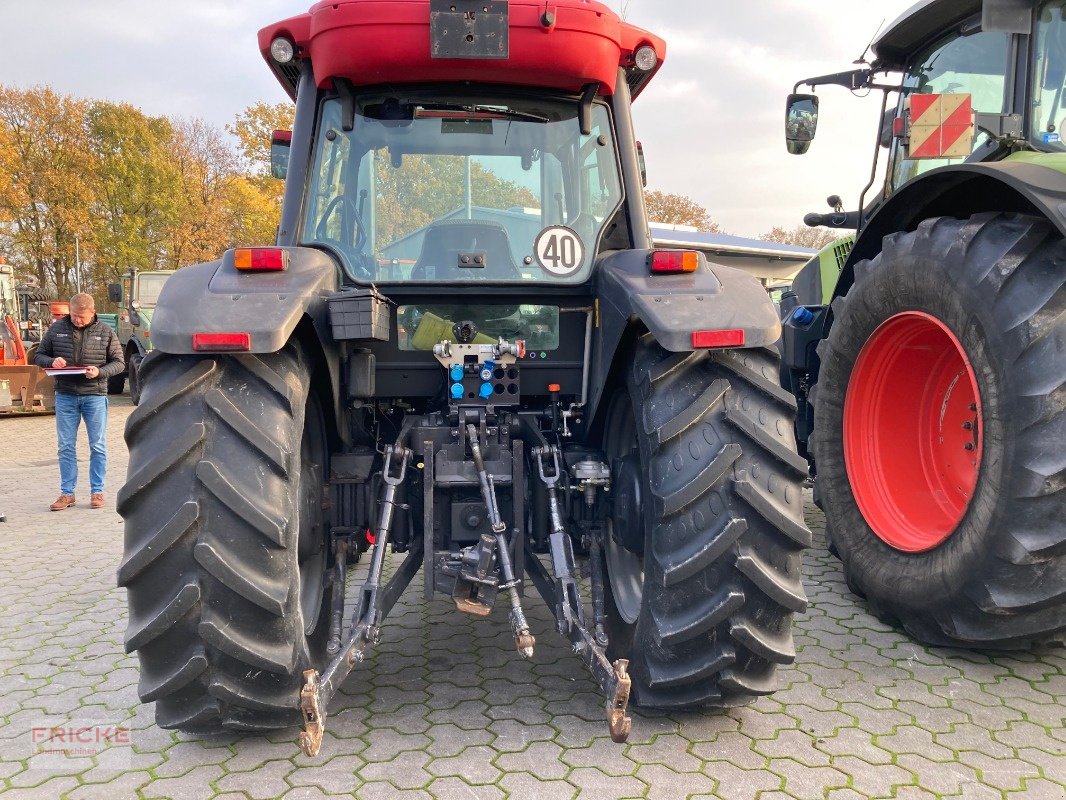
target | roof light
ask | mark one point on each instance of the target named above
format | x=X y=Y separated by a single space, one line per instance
x=222 y=342
x=665 y=262
x=282 y=50
x=260 y=259
x=725 y=338
x=645 y=58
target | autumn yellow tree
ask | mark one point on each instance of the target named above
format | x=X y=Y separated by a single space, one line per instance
x=137 y=189
x=676 y=209
x=253 y=128
x=45 y=200
x=260 y=194
x=802 y=236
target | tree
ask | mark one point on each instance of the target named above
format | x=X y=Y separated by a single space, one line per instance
x=676 y=209
x=45 y=201
x=802 y=236
x=426 y=188
x=253 y=128
x=137 y=186
x=207 y=167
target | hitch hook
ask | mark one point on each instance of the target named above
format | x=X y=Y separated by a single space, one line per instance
x=314 y=719
x=618 y=723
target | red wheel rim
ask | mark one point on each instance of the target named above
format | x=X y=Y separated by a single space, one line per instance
x=912 y=432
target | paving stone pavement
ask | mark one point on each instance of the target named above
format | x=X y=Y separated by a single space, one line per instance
x=445 y=709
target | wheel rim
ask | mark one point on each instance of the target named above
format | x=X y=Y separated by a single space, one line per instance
x=625 y=570
x=311 y=548
x=912 y=432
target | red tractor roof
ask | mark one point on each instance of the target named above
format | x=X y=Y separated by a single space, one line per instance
x=371 y=42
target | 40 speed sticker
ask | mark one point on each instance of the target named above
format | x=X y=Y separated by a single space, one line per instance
x=559 y=251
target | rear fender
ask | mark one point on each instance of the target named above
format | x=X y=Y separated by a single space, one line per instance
x=961 y=191
x=671 y=307
x=217 y=298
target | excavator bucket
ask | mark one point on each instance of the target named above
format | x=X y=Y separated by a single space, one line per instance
x=29 y=390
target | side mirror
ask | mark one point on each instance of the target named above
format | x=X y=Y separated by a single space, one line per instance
x=280 y=144
x=801 y=122
x=643 y=165
x=114 y=293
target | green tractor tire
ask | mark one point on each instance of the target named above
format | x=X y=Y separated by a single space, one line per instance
x=940 y=414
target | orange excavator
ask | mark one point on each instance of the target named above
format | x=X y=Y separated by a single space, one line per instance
x=24 y=387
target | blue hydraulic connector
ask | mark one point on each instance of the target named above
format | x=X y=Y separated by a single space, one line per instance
x=487 y=370
x=486 y=391
x=456 y=372
x=802 y=316
x=457 y=391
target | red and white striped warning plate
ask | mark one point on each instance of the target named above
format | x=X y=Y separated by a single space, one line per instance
x=942 y=126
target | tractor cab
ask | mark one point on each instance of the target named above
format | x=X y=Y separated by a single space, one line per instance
x=964 y=82
x=506 y=169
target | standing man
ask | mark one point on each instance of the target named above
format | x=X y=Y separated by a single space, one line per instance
x=81 y=340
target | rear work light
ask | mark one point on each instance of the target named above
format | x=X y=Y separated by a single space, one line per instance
x=665 y=262
x=725 y=338
x=646 y=58
x=261 y=259
x=222 y=342
x=282 y=50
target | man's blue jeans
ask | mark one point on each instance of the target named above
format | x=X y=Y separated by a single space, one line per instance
x=71 y=409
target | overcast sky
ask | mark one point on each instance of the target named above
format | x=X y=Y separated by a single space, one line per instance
x=711 y=122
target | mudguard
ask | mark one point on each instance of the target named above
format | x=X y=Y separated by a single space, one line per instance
x=218 y=298
x=714 y=297
x=1026 y=183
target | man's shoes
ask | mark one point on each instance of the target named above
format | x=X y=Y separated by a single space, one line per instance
x=97 y=500
x=63 y=501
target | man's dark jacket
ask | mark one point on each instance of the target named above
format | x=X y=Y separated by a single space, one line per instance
x=95 y=345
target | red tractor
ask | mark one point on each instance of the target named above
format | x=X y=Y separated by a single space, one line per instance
x=464 y=349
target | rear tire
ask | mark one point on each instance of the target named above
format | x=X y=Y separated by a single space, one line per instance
x=990 y=571
x=225 y=539
x=704 y=614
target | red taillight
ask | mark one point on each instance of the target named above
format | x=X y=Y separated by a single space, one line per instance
x=222 y=341
x=899 y=127
x=726 y=338
x=260 y=259
x=673 y=261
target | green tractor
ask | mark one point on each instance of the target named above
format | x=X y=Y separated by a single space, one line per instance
x=136 y=297
x=462 y=349
x=928 y=354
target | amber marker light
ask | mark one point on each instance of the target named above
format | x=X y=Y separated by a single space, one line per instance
x=666 y=262
x=260 y=259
